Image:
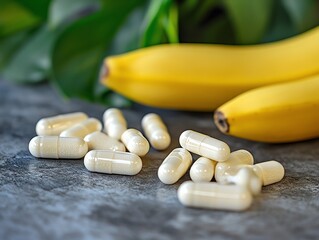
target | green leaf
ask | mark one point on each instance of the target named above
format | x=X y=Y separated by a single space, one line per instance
x=153 y=31
x=207 y=23
x=62 y=11
x=171 y=24
x=37 y=7
x=218 y=30
x=304 y=14
x=202 y=11
x=9 y=45
x=14 y=18
x=80 y=49
x=250 y=18
x=161 y=23
x=281 y=25
x=121 y=43
x=188 y=6
x=31 y=63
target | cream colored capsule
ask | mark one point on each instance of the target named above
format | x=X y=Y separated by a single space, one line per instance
x=174 y=166
x=214 y=196
x=237 y=159
x=135 y=142
x=204 y=145
x=114 y=123
x=100 y=141
x=202 y=170
x=82 y=129
x=246 y=177
x=53 y=126
x=112 y=162
x=269 y=172
x=156 y=131
x=57 y=147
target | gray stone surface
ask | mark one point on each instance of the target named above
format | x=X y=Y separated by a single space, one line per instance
x=60 y=199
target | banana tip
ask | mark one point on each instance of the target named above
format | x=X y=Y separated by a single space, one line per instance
x=104 y=72
x=221 y=122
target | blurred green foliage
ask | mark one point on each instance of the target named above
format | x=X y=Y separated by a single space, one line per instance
x=65 y=41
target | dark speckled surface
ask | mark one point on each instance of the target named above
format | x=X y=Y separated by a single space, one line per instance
x=60 y=199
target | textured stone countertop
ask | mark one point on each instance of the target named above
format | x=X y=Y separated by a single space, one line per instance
x=60 y=199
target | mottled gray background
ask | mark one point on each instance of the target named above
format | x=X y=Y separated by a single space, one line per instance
x=60 y=199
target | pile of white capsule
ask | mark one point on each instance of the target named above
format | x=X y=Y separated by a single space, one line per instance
x=238 y=179
x=75 y=135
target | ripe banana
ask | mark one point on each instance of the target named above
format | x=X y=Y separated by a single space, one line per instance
x=201 y=77
x=284 y=112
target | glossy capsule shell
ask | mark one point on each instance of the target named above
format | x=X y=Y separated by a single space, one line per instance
x=202 y=170
x=246 y=177
x=236 y=160
x=53 y=126
x=114 y=123
x=100 y=141
x=214 y=196
x=112 y=162
x=174 y=166
x=204 y=145
x=82 y=129
x=269 y=172
x=135 y=142
x=156 y=131
x=57 y=147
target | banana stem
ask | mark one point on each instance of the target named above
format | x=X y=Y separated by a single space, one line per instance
x=104 y=72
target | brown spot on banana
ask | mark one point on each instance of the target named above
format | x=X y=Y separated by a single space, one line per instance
x=221 y=122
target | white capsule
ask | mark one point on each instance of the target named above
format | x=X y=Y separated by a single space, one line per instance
x=114 y=123
x=236 y=160
x=100 y=141
x=202 y=170
x=156 y=131
x=246 y=177
x=57 y=147
x=82 y=129
x=214 y=196
x=53 y=126
x=174 y=166
x=135 y=142
x=112 y=162
x=204 y=145
x=269 y=172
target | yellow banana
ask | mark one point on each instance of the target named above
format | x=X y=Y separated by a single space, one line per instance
x=284 y=112
x=202 y=77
